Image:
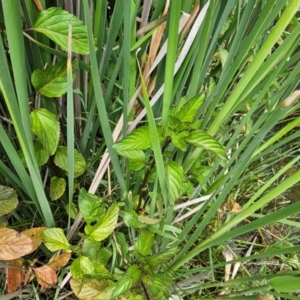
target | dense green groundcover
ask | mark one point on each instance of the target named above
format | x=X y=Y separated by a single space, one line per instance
x=149 y=149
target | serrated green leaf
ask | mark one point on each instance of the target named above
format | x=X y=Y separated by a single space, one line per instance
x=189 y=110
x=105 y=226
x=158 y=286
x=130 y=278
x=285 y=284
x=137 y=155
x=89 y=206
x=94 y=251
x=57 y=187
x=54 y=23
x=52 y=81
x=41 y=155
x=135 y=165
x=174 y=173
x=100 y=272
x=55 y=239
x=73 y=211
x=178 y=139
x=81 y=266
x=148 y=221
x=204 y=140
x=161 y=258
x=8 y=200
x=45 y=125
x=130 y=218
x=61 y=160
x=137 y=140
x=144 y=242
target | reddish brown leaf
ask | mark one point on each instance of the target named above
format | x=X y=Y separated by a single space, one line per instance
x=35 y=235
x=45 y=276
x=14 y=274
x=13 y=244
x=57 y=262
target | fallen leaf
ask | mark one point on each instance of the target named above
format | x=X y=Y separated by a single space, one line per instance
x=35 y=235
x=14 y=274
x=57 y=262
x=13 y=244
x=45 y=276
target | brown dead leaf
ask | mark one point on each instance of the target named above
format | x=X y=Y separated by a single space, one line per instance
x=35 y=235
x=236 y=207
x=14 y=274
x=45 y=276
x=13 y=244
x=57 y=262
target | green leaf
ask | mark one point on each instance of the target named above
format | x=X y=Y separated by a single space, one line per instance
x=100 y=272
x=130 y=218
x=204 y=140
x=55 y=239
x=158 y=285
x=178 y=139
x=136 y=158
x=94 y=251
x=144 y=242
x=188 y=111
x=148 y=221
x=52 y=81
x=174 y=173
x=57 y=187
x=45 y=125
x=54 y=23
x=285 y=284
x=162 y=258
x=137 y=140
x=89 y=206
x=61 y=160
x=130 y=278
x=41 y=155
x=105 y=226
x=8 y=200
x=81 y=266
x=73 y=212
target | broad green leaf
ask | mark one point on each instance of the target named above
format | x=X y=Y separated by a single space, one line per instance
x=81 y=266
x=204 y=140
x=8 y=200
x=178 y=139
x=54 y=23
x=55 y=239
x=105 y=226
x=130 y=218
x=100 y=272
x=136 y=158
x=130 y=278
x=140 y=139
x=89 y=288
x=188 y=112
x=89 y=206
x=73 y=211
x=144 y=242
x=285 y=284
x=174 y=173
x=94 y=251
x=61 y=160
x=161 y=258
x=57 y=187
x=52 y=81
x=45 y=126
x=148 y=221
x=137 y=140
x=158 y=285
